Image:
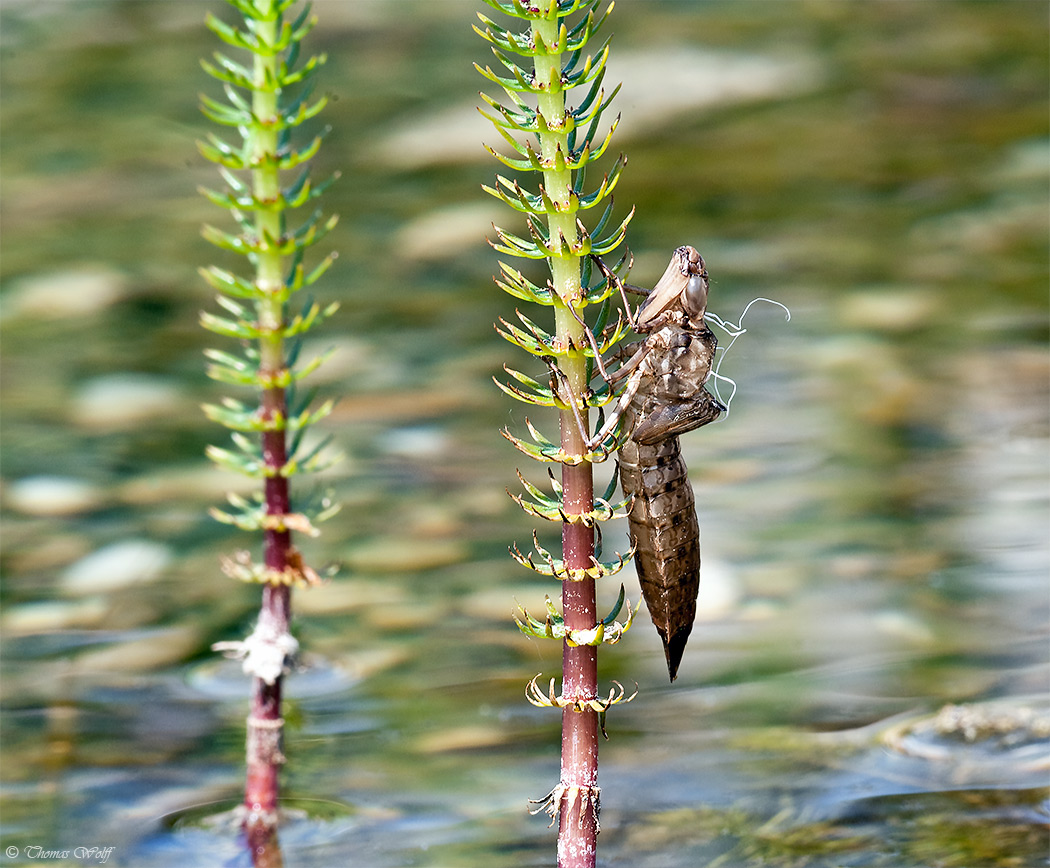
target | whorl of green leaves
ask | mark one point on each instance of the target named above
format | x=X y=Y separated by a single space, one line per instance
x=269 y=96
x=541 y=67
x=557 y=148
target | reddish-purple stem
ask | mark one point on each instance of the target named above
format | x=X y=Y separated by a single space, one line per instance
x=264 y=845
x=578 y=809
x=264 y=755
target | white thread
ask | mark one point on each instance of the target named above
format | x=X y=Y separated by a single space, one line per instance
x=734 y=330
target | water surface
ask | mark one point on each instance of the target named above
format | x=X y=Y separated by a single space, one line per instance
x=869 y=685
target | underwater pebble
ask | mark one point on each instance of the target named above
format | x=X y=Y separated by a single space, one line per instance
x=349 y=358
x=198 y=483
x=500 y=602
x=400 y=404
x=65 y=294
x=884 y=390
x=117 y=566
x=658 y=87
x=366 y=662
x=760 y=610
x=348 y=594
x=446 y=231
x=423 y=441
x=53 y=615
x=990 y=228
x=774 y=582
x=159 y=648
x=436 y=520
x=905 y=626
x=52 y=495
x=719 y=591
x=397 y=555
x=893 y=310
x=46 y=549
x=446 y=136
x=412 y=616
x=122 y=400
x=462 y=738
x=1025 y=161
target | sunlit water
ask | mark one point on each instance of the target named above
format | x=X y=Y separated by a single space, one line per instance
x=869 y=684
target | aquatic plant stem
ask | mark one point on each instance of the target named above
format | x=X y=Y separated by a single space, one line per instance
x=264 y=756
x=578 y=789
x=578 y=816
x=559 y=144
x=268 y=436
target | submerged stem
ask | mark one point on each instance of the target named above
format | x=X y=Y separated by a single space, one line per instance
x=261 y=112
x=265 y=724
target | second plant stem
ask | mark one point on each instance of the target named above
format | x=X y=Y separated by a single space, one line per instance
x=265 y=723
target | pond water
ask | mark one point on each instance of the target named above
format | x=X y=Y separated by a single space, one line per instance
x=868 y=684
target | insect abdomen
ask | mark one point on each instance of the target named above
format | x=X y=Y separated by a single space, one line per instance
x=665 y=532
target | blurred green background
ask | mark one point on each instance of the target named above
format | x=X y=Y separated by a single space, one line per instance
x=874 y=508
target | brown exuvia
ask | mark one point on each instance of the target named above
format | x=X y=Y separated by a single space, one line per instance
x=665 y=397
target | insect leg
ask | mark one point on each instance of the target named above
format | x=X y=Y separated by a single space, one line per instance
x=632 y=363
x=593 y=341
x=611 y=276
x=560 y=388
x=627 y=396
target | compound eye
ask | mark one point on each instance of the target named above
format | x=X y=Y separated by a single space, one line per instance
x=695 y=300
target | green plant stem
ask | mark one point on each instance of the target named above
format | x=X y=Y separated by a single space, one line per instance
x=265 y=724
x=563 y=146
x=577 y=833
x=268 y=99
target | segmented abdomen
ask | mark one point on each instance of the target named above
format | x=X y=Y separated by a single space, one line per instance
x=665 y=532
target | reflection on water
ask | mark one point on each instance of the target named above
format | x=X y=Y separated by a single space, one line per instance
x=874 y=509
